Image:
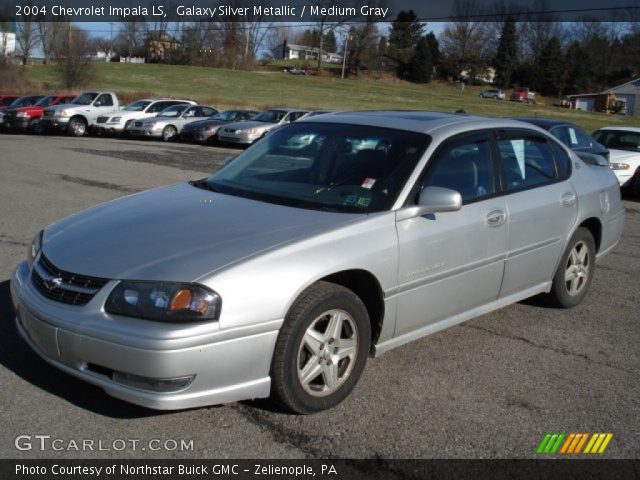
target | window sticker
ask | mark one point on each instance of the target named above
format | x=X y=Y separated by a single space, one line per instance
x=363 y=202
x=518 y=149
x=368 y=183
x=351 y=199
x=572 y=136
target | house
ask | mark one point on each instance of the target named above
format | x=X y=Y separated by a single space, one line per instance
x=7 y=38
x=102 y=56
x=383 y=63
x=292 y=51
x=160 y=45
x=628 y=92
x=485 y=75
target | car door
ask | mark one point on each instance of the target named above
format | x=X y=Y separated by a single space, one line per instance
x=541 y=204
x=452 y=262
x=102 y=104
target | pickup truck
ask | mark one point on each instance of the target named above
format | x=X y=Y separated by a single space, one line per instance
x=26 y=118
x=523 y=95
x=77 y=117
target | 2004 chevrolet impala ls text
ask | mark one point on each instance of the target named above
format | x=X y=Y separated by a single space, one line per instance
x=333 y=239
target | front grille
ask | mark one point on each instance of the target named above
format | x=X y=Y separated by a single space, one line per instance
x=137 y=124
x=102 y=119
x=48 y=113
x=230 y=130
x=62 y=286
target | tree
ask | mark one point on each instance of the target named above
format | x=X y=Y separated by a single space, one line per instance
x=420 y=67
x=506 y=59
x=361 y=45
x=405 y=33
x=26 y=36
x=73 y=68
x=578 y=69
x=552 y=68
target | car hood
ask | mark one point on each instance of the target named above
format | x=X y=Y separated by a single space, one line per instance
x=64 y=106
x=617 y=156
x=247 y=124
x=33 y=108
x=177 y=233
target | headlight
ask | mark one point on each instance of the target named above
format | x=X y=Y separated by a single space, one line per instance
x=619 y=166
x=62 y=113
x=22 y=115
x=164 y=302
x=34 y=249
x=115 y=120
x=253 y=131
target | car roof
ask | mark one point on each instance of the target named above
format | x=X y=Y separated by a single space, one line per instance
x=624 y=129
x=415 y=120
x=287 y=109
x=543 y=122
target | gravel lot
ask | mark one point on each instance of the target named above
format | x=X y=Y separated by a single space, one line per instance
x=491 y=387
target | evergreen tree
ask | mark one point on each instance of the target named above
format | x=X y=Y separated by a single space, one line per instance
x=420 y=67
x=405 y=33
x=506 y=61
x=552 y=68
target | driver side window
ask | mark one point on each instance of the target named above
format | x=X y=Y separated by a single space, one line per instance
x=464 y=165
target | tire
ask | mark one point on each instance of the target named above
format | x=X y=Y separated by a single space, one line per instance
x=169 y=133
x=125 y=131
x=77 y=127
x=635 y=186
x=573 y=278
x=332 y=363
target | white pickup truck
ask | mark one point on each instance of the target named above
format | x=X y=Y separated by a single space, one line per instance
x=76 y=117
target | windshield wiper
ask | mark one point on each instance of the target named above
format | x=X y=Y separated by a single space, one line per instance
x=203 y=184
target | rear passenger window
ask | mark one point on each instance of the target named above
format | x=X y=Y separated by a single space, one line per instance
x=526 y=162
x=464 y=166
x=563 y=160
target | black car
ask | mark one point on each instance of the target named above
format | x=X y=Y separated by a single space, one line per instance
x=571 y=135
x=207 y=130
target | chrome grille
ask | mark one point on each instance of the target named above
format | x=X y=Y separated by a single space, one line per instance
x=230 y=130
x=137 y=124
x=62 y=286
x=102 y=119
x=48 y=113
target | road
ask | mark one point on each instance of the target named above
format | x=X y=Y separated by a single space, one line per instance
x=489 y=388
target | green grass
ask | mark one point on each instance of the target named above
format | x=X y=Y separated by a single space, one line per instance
x=226 y=88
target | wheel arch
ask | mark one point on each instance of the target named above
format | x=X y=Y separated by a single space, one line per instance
x=594 y=225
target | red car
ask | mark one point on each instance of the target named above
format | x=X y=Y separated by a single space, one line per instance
x=25 y=118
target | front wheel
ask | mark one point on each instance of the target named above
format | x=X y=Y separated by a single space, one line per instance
x=321 y=350
x=77 y=127
x=169 y=133
x=575 y=272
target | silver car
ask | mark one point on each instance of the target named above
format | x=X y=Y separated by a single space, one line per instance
x=336 y=238
x=248 y=132
x=169 y=123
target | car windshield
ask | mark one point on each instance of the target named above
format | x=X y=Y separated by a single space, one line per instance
x=23 y=102
x=7 y=101
x=270 y=116
x=619 y=139
x=138 y=106
x=347 y=168
x=226 y=116
x=173 y=111
x=46 y=101
x=85 y=99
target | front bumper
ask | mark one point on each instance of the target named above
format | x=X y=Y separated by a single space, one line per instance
x=227 y=365
x=144 y=132
x=107 y=128
x=197 y=135
x=238 y=138
x=54 y=123
x=16 y=124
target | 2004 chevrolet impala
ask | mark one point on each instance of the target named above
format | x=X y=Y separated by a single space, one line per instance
x=336 y=238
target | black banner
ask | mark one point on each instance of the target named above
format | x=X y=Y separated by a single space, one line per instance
x=319 y=469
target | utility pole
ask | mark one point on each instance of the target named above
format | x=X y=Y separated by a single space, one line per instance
x=344 y=54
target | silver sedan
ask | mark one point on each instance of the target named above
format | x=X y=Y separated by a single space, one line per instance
x=169 y=123
x=334 y=239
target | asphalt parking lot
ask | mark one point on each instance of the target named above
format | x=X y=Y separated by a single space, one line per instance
x=489 y=388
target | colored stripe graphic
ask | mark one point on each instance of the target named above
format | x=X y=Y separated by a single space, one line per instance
x=573 y=443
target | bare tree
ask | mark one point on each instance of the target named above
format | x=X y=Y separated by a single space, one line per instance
x=49 y=33
x=540 y=27
x=326 y=23
x=275 y=37
x=73 y=68
x=26 y=36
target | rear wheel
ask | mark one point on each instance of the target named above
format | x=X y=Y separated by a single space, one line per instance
x=77 y=126
x=321 y=350
x=169 y=133
x=575 y=272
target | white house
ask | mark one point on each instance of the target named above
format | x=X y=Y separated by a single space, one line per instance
x=7 y=40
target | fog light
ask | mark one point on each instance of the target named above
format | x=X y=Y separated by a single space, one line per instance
x=155 y=384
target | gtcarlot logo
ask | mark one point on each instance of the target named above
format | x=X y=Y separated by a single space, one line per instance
x=45 y=443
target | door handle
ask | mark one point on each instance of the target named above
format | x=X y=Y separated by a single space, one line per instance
x=568 y=200
x=496 y=218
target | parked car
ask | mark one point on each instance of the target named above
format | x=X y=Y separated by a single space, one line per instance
x=24 y=101
x=624 y=159
x=492 y=93
x=207 y=130
x=77 y=116
x=168 y=123
x=6 y=100
x=248 y=132
x=572 y=136
x=26 y=118
x=523 y=95
x=281 y=273
x=117 y=121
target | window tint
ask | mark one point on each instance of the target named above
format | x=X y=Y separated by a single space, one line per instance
x=577 y=138
x=526 y=162
x=563 y=161
x=104 y=100
x=205 y=112
x=158 y=107
x=464 y=166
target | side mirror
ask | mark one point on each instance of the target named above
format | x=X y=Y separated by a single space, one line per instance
x=432 y=200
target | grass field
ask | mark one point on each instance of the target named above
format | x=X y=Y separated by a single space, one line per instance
x=225 y=88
